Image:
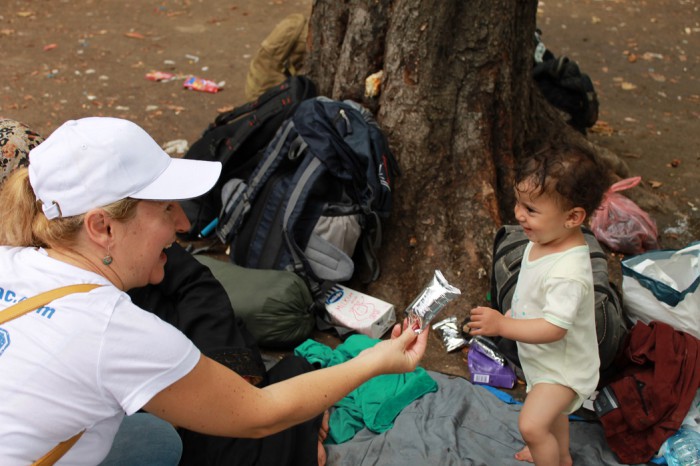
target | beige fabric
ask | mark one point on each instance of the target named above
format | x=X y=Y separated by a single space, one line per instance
x=280 y=54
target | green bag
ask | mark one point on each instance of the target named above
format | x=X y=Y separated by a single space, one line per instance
x=276 y=305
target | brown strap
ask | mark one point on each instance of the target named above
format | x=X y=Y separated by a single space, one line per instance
x=22 y=308
x=58 y=451
x=39 y=300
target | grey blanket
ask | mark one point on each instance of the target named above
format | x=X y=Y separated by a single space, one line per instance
x=460 y=424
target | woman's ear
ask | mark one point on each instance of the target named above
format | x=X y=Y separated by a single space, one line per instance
x=98 y=227
x=576 y=217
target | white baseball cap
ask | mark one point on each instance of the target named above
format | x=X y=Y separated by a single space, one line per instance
x=93 y=162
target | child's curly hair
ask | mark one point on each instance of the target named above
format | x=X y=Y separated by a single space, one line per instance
x=571 y=171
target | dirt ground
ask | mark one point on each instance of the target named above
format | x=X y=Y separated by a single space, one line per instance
x=65 y=59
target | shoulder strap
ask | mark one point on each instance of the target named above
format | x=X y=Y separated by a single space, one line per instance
x=58 y=451
x=22 y=308
x=39 y=300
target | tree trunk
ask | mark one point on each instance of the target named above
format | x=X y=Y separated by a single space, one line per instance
x=458 y=106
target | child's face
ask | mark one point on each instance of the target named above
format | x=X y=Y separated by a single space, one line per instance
x=540 y=215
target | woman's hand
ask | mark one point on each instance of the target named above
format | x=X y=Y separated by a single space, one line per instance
x=401 y=353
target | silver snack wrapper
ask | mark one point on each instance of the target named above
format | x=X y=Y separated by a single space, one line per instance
x=425 y=307
x=451 y=336
x=488 y=350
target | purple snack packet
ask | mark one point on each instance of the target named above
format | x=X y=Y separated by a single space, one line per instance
x=487 y=371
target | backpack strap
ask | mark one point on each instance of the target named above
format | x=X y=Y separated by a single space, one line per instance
x=324 y=259
x=25 y=306
x=239 y=200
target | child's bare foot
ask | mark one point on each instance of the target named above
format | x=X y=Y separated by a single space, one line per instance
x=524 y=455
x=322 y=435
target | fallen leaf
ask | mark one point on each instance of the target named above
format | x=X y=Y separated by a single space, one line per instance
x=50 y=47
x=632 y=58
x=655 y=184
x=657 y=77
x=134 y=35
x=24 y=14
x=628 y=86
x=602 y=127
x=675 y=163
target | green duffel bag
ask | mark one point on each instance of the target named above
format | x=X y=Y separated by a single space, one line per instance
x=276 y=305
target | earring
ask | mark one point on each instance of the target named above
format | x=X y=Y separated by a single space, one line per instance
x=107 y=260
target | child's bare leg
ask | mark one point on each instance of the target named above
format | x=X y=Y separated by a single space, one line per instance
x=543 y=406
x=560 y=430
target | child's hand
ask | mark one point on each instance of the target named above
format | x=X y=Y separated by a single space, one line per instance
x=485 y=321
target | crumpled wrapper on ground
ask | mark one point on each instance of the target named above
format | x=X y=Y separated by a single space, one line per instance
x=450 y=334
x=425 y=307
x=488 y=348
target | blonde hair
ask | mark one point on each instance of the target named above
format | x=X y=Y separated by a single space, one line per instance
x=24 y=223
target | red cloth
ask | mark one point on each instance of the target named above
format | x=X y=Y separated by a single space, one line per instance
x=655 y=391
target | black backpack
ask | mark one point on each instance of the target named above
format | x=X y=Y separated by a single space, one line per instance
x=236 y=139
x=328 y=166
x=565 y=86
x=508 y=248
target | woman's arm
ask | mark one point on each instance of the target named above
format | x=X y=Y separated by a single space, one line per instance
x=214 y=400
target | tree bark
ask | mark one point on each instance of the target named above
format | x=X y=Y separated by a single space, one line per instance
x=458 y=106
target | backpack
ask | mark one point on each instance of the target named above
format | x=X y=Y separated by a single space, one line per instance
x=565 y=86
x=236 y=139
x=315 y=202
x=508 y=248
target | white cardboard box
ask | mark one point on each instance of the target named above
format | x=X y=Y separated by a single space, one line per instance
x=360 y=312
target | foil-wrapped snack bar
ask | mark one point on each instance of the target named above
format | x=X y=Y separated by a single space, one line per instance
x=450 y=333
x=425 y=307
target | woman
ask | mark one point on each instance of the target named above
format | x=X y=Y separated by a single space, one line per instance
x=98 y=205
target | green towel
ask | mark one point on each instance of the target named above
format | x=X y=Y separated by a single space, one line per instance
x=374 y=404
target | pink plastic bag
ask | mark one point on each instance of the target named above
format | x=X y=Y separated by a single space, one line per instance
x=621 y=224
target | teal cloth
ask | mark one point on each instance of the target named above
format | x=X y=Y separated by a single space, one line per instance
x=374 y=404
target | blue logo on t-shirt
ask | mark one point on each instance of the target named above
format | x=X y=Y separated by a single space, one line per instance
x=4 y=340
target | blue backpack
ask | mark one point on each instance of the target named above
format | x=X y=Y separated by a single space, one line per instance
x=315 y=202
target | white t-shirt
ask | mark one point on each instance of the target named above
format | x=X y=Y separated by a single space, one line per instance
x=559 y=288
x=79 y=363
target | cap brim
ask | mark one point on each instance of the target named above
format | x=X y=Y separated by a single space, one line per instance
x=182 y=179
